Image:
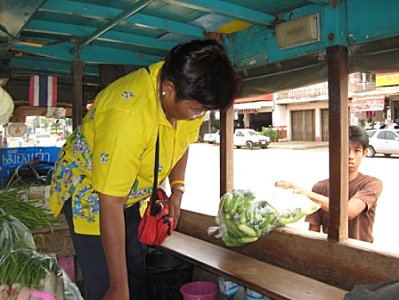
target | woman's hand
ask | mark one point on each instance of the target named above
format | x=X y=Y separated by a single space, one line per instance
x=175 y=202
x=117 y=293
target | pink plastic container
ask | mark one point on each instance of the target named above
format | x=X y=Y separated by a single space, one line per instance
x=199 y=290
x=42 y=295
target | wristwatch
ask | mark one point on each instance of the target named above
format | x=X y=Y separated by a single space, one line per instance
x=179 y=187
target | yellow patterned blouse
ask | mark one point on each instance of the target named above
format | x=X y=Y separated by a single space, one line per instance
x=113 y=151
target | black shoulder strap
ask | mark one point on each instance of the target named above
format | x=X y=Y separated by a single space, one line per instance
x=155 y=184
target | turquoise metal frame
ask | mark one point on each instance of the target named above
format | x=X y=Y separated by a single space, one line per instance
x=49 y=35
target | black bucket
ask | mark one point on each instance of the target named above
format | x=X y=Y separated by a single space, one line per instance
x=165 y=274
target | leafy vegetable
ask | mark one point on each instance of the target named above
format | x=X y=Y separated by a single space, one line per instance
x=33 y=213
x=28 y=268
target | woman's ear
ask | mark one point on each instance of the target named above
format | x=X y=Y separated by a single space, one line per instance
x=168 y=89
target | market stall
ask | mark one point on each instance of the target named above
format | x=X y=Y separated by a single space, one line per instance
x=274 y=46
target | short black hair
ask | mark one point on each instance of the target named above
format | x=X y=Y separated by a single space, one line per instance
x=201 y=70
x=359 y=136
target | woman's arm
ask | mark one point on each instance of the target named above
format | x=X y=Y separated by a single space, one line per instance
x=177 y=173
x=112 y=228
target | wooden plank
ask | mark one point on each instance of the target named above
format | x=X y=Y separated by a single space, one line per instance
x=342 y=264
x=337 y=58
x=21 y=112
x=56 y=240
x=226 y=150
x=77 y=100
x=262 y=277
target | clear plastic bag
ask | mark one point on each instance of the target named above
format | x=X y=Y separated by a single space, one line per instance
x=243 y=219
x=291 y=207
x=228 y=288
x=14 y=234
x=29 y=270
x=25 y=272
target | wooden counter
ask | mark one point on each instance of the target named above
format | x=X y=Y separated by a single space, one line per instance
x=56 y=240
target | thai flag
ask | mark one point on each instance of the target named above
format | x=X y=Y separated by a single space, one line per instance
x=43 y=91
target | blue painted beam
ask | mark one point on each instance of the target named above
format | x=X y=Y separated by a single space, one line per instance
x=51 y=66
x=369 y=20
x=167 y=25
x=227 y=9
x=14 y=15
x=320 y=2
x=93 y=54
x=349 y=23
x=257 y=46
x=134 y=8
x=55 y=28
x=86 y=10
x=62 y=77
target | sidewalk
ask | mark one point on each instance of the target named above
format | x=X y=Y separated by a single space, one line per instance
x=298 y=145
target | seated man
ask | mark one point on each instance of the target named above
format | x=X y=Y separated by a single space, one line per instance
x=364 y=191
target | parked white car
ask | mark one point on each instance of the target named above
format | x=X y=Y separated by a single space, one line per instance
x=248 y=138
x=211 y=137
x=385 y=141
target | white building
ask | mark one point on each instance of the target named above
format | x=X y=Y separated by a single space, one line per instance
x=302 y=114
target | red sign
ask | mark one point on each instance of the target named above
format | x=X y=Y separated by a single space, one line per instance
x=368 y=103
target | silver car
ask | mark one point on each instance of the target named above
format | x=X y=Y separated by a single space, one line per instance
x=385 y=141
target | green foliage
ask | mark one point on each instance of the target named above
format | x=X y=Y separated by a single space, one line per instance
x=274 y=134
x=362 y=122
x=370 y=123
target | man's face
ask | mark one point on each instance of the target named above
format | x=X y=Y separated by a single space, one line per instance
x=356 y=154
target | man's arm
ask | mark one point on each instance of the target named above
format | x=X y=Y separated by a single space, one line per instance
x=314 y=227
x=355 y=205
x=112 y=228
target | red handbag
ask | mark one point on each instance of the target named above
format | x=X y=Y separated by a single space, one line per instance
x=156 y=224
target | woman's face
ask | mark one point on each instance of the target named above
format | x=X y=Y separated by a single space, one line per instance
x=180 y=110
x=188 y=110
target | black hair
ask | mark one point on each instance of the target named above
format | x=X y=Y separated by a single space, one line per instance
x=201 y=70
x=359 y=136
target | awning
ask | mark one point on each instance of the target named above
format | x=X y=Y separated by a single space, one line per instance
x=249 y=105
x=368 y=103
x=252 y=107
x=265 y=97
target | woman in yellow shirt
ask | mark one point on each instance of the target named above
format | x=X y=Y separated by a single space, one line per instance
x=106 y=166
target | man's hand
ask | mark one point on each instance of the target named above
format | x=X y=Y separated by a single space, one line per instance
x=289 y=185
x=284 y=184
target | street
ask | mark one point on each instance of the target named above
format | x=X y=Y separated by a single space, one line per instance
x=258 y=169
